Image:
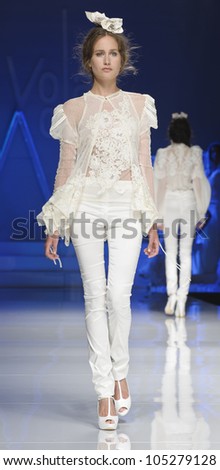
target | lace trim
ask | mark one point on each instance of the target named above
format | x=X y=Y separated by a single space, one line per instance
x=58 y=213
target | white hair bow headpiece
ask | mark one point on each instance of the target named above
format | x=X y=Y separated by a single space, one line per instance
x=179 y=115
x=113 y=25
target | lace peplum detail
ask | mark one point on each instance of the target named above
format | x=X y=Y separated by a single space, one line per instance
x=111 y=155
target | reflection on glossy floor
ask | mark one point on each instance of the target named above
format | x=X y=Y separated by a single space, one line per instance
x=47 y=399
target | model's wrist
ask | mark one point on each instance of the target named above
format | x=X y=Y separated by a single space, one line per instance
x=55 y=235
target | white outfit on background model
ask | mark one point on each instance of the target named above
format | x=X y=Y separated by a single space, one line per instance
x=104 y=191
x=182 y=194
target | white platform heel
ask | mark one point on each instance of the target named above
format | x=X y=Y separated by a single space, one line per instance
x=171 y=304
x=180 y=308
x=122 y=402
x=109 y=422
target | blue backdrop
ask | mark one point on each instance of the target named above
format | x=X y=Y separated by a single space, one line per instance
x=178 y=62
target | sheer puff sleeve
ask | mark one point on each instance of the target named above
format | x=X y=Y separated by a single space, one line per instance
x=148 y=120
x=55 y=210
x=201 y=185
x=62 y=130
x=160 y=181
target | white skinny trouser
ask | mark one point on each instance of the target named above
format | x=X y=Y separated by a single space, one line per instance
x=107 y=301
x=180 y=214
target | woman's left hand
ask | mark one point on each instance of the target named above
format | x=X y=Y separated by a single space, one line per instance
x=153 y=245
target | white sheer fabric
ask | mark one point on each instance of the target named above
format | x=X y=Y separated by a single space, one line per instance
x=106 y=139
x=180 y=168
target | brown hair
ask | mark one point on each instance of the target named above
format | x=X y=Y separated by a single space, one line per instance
x=124 y=47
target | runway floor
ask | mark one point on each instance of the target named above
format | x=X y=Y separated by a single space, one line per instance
x=47 y=399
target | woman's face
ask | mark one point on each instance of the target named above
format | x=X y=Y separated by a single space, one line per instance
x=106 y=59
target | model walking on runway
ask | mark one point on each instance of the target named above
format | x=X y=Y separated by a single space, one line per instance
x=104 y=192
x=182 y=194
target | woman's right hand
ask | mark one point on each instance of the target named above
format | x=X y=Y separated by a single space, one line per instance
x=51 y=246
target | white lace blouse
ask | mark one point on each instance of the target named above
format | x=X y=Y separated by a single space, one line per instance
x=106 y=139
x=180 y=168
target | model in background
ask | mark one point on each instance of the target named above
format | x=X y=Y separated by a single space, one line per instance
x=182 y=197
x=104 y=191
